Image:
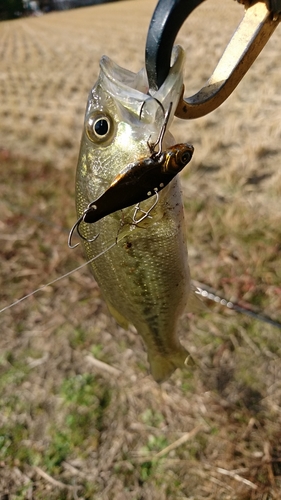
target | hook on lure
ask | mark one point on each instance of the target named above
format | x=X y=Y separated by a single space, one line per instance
x=135 y=222
x=138 y=181
x=145 y=212
x=77 y=227
x=159 y=140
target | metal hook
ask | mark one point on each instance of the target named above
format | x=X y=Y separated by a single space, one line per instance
x=77 y=227
x=260 y=20
x=162 y=129
x=146 y=213
x=71 y=232
x=157 y=100
x=161 y=134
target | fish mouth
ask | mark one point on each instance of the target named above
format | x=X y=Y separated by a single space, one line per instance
x=131 y=89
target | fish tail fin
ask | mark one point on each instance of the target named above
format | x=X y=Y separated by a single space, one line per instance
x=162 y=366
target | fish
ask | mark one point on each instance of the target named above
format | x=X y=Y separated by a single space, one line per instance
x=144 y=278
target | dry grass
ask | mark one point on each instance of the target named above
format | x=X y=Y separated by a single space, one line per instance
x=74 y=428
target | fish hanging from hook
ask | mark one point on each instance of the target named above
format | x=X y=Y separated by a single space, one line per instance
x=127 y=179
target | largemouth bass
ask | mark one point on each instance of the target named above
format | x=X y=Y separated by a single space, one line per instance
x=144 y=278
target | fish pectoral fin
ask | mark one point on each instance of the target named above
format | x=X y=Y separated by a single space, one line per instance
x=121 y=320
x=162 y=366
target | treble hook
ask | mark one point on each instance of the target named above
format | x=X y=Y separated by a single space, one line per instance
x=146 y=213
x=260 y=20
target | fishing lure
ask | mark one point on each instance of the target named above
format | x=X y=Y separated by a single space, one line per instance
x=137 y=182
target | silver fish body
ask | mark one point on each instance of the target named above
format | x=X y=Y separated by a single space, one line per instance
x=145 y=277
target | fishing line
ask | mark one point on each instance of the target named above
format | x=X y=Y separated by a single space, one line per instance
x=119 y=237
x=201 y=288
x=235 y=307
x=42 y=287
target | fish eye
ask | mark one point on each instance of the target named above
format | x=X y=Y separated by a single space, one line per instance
x=99 y=127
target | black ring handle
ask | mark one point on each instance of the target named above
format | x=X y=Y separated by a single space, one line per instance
x=165 y=24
